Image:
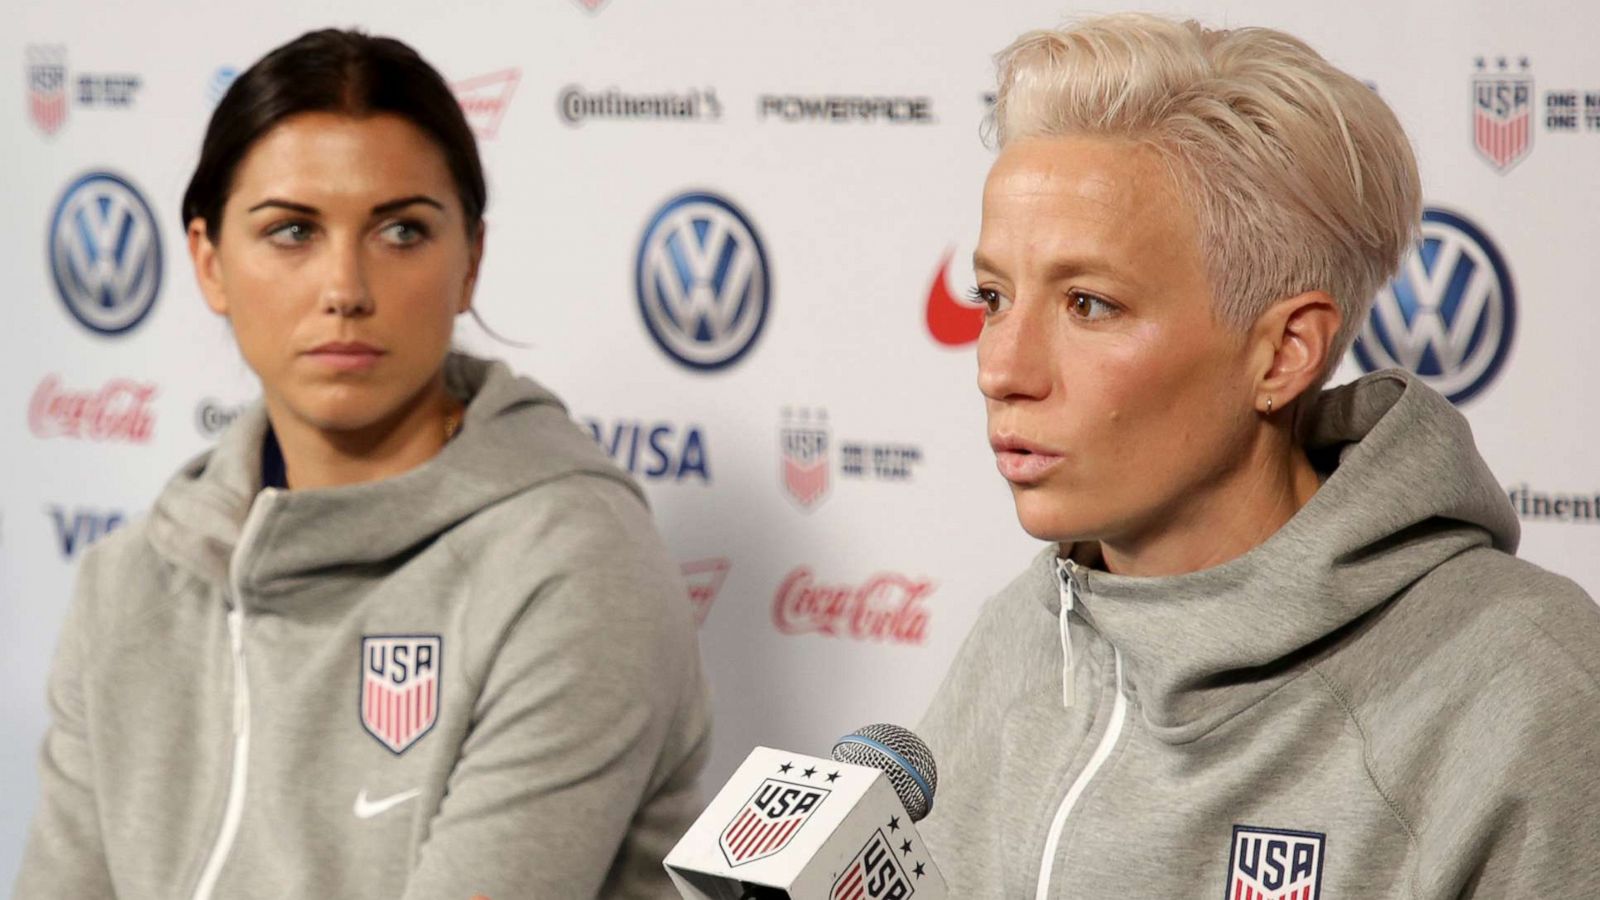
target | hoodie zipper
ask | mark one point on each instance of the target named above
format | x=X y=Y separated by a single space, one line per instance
x=1102 y=751
x=233 y=810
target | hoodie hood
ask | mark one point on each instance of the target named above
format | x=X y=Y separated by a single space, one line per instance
x=1408 y=492
x=514 y=435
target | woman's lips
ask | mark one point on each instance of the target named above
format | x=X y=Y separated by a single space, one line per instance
x=345 y=357
x=1023 y=467
x=1021 y=462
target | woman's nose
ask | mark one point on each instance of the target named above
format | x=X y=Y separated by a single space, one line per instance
x=345 y=291
x=1014 y=355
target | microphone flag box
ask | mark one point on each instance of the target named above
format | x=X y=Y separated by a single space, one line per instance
x=804 y=827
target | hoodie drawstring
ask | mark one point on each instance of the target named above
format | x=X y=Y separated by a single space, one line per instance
x=1068 y=602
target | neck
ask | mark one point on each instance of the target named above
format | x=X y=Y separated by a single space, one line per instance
x=1239 y=509
x=318 y=457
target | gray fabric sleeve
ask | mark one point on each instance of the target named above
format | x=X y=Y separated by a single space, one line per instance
x=64 y=855
x=589 y=729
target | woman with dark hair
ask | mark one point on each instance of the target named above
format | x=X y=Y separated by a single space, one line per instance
x=405 y=632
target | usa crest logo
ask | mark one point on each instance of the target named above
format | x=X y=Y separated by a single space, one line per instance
x=875 y=873
x=47 y=87
x=1450 y=314
x=804 y=440
x=1275 y=864
x=400 y=687
x=1502 y=114
x=769 y=820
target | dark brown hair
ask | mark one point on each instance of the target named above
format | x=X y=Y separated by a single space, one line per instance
x=333 y=71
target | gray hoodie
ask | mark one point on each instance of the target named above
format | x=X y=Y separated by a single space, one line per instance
x=480 y=676
x=1377 y=702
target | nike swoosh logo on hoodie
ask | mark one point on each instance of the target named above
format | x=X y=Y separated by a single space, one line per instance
x=366 y=809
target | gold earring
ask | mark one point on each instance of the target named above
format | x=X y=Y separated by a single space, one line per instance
x=1269 y=406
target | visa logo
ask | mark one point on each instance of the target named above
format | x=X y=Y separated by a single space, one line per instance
x=658 y=451
x=79 y=528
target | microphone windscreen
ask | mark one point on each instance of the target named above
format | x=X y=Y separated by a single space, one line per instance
x=901 y=755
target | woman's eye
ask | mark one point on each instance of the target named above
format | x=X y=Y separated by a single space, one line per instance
x=290 y=234
x=989 y=298
x=1088 y=306
x=404 y=234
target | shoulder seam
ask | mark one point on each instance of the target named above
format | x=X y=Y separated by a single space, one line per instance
x=1334 y=691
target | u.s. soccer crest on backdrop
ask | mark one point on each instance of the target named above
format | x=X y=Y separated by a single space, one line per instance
x=769 y=820
x=875 y=873
x=47 y=87
x=400 y=687
x=803 y=438
x=1275 y=864
x=702 y=280
x=1502 y=113
x=105 y=253
x=1450 y=313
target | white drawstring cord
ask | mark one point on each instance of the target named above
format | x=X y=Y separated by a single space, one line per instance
x=1068 y=601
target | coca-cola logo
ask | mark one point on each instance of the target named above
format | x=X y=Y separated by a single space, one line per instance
x=888 y=607
x=119 y=411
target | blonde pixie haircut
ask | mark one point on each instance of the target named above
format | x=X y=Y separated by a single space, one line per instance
x=1299 y=176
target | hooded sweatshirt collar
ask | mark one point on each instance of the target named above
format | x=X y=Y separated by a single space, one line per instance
x=1408 y=493
x=514 y=435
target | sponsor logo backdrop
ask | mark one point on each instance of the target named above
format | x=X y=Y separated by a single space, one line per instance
x=735 y=238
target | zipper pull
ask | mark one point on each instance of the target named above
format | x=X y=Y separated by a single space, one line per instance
x=1069 y=597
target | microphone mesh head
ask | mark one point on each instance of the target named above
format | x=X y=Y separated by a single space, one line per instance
x=908 y=763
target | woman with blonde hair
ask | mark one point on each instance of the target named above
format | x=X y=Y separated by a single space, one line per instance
x=1278 y=646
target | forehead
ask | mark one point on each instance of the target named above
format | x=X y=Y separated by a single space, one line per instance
x=331 y=156
x=1079 y=195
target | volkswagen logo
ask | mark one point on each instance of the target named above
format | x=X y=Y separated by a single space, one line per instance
x=1450 y=313
x=702 y=280
x=105 y=253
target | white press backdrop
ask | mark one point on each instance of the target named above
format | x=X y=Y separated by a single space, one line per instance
x=893 y=514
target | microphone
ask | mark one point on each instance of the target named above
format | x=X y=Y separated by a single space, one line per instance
x=792 y=827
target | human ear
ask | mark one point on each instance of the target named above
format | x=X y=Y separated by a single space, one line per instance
x=1294 y=340
x=475 y=252
x=207 y=267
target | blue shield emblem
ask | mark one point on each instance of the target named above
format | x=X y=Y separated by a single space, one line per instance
x=768 y=820
x=400 y=687
x=1274 y=864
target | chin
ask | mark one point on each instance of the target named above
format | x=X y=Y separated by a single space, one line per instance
x=1048 y=518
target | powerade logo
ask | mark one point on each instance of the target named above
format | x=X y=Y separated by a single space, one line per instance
x=1449 y=315
x=702 y=281
x=105 y=253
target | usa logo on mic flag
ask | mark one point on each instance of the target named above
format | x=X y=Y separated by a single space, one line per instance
x=1274 y=864
x=769 y=820
x=875 y=873
x=400 y=687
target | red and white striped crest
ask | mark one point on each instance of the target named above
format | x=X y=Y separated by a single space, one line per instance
x=769 y=820
x=1275 y=864
x=805 y=464
x=47 y=87
x=1502 y=118
x=400 y=687
x=874 y=874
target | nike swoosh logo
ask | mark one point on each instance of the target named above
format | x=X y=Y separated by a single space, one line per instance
x=950 y=321
x=366 y=809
